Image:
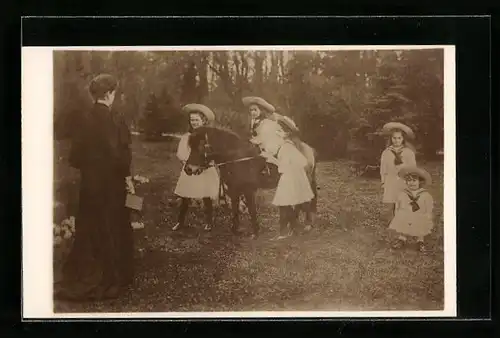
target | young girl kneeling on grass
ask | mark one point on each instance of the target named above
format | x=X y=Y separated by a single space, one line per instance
x=398 y=153
x=414 y=207
x=294 y=187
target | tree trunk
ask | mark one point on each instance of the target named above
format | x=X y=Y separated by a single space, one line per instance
x=203 y=74
x=258 y=78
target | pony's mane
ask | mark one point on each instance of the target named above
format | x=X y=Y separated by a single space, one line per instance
x=225 y=130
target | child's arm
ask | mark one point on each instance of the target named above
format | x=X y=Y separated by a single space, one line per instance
x=408 y=157
x=299 y=158
x=288 y=158
x=183 y=149
x=428 y=203
x=282 y=162
x=399 y=201
x=383 y=165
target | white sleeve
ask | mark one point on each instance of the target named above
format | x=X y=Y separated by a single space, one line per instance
x=408 y=157
x=183 y=150
x=384 y=160
x=428 y=203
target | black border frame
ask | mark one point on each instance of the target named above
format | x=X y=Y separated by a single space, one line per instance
x=472 y=38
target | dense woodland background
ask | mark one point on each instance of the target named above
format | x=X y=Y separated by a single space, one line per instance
x=339 y=99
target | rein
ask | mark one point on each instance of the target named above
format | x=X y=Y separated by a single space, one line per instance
x=234 y=161
x=207 y=145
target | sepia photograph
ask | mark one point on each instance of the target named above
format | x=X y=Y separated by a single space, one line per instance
x=244 y=181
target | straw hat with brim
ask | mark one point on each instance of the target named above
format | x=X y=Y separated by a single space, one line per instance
x=199 y=108
x=249 y=100
x=288 y=123
x=412 y=170
x=391 y=126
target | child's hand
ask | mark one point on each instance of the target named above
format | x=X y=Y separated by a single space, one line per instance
x=270 y=158
x=130 y=185
x=266 y=155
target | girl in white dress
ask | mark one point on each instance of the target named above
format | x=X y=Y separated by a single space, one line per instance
x=398 y=153
x=414 y=206
x=294 y=187
x=263 y=118
x=262 y=126
x=204 y=185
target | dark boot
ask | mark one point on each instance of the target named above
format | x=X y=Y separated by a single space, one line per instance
x=209 y=213
x=183 y=208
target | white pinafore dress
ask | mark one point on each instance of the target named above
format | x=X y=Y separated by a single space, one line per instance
x=206 y=184
x=293 y=187
x=413 y=215
x=389 y=167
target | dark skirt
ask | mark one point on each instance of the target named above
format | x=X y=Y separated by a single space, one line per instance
x=100 y=263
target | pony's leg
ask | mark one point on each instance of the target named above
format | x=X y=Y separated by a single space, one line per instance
x=209 y=213
x=285 y=213
x=252 y=210
x=312 y=205
x=235 y=204
x=183 y=208
x=295 y=225
x=310 y=215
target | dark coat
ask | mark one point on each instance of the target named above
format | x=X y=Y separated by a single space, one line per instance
x=101 y=259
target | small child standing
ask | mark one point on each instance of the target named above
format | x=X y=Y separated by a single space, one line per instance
x=398 y=153
x=294 y=187
x=414 y=206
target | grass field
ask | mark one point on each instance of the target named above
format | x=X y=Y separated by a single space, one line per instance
x=345 y=263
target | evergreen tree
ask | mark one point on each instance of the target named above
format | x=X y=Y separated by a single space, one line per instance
x=189 y=93
x=152 y=119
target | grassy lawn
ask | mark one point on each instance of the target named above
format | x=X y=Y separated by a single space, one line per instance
x=345 y=263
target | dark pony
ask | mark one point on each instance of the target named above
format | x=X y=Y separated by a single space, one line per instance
x=241 y=168
x=239 y=164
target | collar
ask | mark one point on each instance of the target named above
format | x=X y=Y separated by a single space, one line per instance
x=416 y=192
x=102 y=103
x=399 y=149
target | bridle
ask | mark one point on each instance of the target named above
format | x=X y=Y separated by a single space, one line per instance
x=209 y=147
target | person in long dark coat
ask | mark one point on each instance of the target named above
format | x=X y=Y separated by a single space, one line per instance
x=100 y=264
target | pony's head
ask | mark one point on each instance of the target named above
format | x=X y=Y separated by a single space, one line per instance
x=216 y=144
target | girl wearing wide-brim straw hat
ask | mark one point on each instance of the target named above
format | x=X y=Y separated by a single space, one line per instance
x=264 y=118
x=294 y=187
x=399 y=152
x=414 y=207
x=263 y=125
x=204 y=185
